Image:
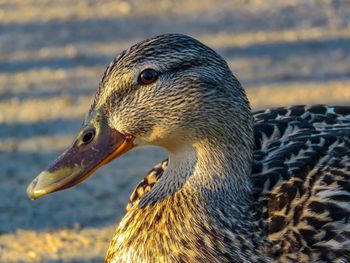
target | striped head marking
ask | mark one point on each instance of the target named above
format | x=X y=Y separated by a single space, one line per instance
x=165 y=90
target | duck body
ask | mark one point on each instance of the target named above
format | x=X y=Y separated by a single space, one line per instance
x=237 y=186
x=299 y=213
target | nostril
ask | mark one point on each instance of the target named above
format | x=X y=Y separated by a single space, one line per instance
x=88 y=136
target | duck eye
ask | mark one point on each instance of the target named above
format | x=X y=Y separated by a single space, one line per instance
x=88 y=136
x=148 y=76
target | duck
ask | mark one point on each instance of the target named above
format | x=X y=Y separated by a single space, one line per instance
x=238 y=186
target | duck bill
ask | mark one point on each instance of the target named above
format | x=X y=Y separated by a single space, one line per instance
x=81 y=159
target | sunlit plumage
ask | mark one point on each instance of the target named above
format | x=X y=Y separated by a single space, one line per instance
x=299 y=207
x=301 y=177
x=238 y=186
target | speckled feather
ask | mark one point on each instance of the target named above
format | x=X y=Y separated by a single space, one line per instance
x=301 y=174
x=238 y=187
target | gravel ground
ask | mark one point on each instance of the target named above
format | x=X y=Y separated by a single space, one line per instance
x=52 y=54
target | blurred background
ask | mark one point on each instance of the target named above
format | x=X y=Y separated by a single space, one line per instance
x=52 y=55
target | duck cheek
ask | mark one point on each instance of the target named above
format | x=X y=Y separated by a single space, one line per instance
x=158 y=136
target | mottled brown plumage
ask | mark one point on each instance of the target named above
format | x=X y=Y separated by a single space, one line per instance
x=237 y=186
x=301 y=175
x=283 y=198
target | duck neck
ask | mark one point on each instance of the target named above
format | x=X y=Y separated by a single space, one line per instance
x=217 y=171
x=204 y=194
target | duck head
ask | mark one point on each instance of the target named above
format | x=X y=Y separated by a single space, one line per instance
x=167 y=91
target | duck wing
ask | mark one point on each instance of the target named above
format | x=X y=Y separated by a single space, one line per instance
x=301 y=173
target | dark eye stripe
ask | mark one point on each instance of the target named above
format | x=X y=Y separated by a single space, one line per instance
x=148 y=76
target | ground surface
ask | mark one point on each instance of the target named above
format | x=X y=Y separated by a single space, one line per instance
x=52 y=54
